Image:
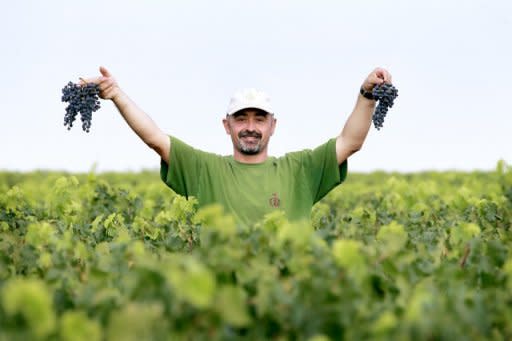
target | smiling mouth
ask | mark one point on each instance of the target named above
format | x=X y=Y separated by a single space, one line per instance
x=250 y=138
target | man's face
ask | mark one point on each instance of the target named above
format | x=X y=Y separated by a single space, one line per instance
x=250 y=130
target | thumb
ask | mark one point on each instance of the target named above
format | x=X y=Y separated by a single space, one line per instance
x=105 y=72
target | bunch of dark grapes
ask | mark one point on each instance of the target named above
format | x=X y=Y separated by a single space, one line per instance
x=385 y=94
x=83 y=99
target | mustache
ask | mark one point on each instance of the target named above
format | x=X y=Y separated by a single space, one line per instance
x=247 y=133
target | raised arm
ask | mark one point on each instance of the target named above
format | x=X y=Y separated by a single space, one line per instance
x=356 y=128
x=137 y=119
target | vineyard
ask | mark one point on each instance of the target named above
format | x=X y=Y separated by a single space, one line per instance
x=423 y=256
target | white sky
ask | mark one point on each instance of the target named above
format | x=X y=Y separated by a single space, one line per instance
x=182 y=60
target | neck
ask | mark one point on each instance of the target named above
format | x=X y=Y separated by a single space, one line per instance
x=256 y=158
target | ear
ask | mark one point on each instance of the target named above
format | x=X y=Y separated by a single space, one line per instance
x=227 y=127
x=273 y=123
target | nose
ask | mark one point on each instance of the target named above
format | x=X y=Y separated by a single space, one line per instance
x=251 y=124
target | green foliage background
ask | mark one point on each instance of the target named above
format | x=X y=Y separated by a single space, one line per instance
x=386 y=256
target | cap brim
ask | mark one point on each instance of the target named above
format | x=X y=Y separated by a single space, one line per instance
x=237 y=109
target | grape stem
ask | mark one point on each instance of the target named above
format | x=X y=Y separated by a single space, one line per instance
x=465 y=256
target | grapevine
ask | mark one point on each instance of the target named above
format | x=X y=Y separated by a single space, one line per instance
x=425 y=256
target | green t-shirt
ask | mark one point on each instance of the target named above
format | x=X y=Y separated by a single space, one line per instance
x=292 y=183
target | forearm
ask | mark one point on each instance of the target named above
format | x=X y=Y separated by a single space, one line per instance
x=358 y=124
x=138 y=120
x=352 y=137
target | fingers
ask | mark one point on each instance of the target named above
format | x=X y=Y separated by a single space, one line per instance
x=102 y=82
x=109 y=92
x=105 y=83
x=383 y=75
x=108 y=88
x=95 y=80
x=105 y=72
x=375 y=79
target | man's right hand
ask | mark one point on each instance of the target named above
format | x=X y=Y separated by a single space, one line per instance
x=109 y=89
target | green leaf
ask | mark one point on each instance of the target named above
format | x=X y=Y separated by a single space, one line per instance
x=213 y=217
x=393 y=237
x=40 y=234
x=137 y=321
x=462 y=233
x=231 y=303
x=348 y=254
x=76 y=326
x=385 y=323
x=31 y=299
x=194 y=283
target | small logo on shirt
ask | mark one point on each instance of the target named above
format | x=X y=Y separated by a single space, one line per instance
x=274 y=201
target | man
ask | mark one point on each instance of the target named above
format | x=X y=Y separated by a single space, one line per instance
x=249 y=183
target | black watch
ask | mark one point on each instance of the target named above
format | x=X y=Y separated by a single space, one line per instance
x=366 y=94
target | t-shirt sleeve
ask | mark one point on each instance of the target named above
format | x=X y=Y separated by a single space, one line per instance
x=183 y=172
x=322 y=169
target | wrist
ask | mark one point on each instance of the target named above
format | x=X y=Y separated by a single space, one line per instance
x=117 y=96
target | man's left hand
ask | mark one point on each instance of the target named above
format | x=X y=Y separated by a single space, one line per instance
x=376 y=77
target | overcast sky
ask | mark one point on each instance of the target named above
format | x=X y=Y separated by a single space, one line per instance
x=182 y=60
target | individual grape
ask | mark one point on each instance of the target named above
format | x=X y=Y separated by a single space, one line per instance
x=83 y=99
x=385 y=94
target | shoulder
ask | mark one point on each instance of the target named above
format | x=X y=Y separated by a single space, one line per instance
x=292 y=157
x=183 y=147
x=300 y=156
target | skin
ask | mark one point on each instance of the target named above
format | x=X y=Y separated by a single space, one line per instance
x=250 y=131
x=356 y=128
x=259 y=125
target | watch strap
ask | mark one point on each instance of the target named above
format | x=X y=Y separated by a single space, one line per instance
x=366 y=94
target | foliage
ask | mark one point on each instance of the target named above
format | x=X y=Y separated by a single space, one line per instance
x=386 y=256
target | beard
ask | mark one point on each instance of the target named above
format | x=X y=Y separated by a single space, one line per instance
x=249 y=148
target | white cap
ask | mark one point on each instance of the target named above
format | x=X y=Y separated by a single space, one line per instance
x=249 y=98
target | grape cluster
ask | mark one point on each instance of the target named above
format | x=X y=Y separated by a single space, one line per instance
x=385 y=94
x=83 y=99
